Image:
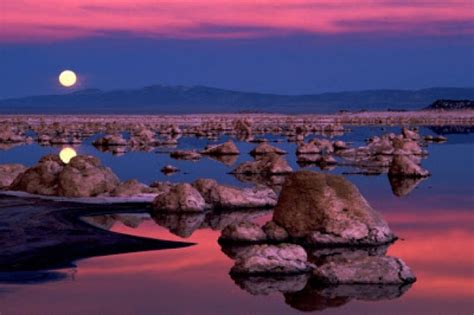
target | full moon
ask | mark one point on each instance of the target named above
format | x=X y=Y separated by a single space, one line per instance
x=67 y=78
x=67 y=154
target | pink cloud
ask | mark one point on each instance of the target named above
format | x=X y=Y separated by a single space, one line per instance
x=55 y=20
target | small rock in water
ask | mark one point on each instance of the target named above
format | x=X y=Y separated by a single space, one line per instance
x=227 y=148
x=272 y=259
x=266 y=165
x=244 y=231
x=367 y=270
x=169 y=169
x=405 y=166
x=265 y=148
x=182 y=197
x=185 y=155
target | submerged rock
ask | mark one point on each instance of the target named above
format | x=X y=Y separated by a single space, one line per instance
x=8 y=174
x=182 y=197
x=325 y=209
x=405 y=166
x=272 y=259
x=226 y=197
x=227 y=148
x=266 y=165
x=367 y=270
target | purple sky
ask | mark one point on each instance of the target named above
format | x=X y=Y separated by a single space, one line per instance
x=297 y=46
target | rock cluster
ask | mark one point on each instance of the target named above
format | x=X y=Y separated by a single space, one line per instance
x=82 y=177
x=208 y=194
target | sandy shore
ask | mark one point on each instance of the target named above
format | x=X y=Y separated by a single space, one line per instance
x=432 y=118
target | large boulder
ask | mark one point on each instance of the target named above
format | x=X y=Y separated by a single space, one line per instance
x=84 y=176
x=226 y=197
x=41 y=178
x=180 y=198
x=272 y=259
x=8 y=174
x=227 y=148
x=266 y=165
x=367 y=270
x=265 y=148
x=325 y=209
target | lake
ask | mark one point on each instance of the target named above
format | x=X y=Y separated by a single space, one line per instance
x=434 y=222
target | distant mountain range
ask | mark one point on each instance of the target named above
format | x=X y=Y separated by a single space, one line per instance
x=159 y=99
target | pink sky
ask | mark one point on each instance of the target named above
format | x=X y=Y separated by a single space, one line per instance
x=31 y=20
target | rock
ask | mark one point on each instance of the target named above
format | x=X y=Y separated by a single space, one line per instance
x=110 y=140
x=185 y=155
x=265 y=148
x=42 y=178
x=368 y=270
x=327 y=209
x=340 y=145
x=85 y=177
x=410 y=134
x=244 y=231
x=405 y=166
x=8 y=174
x=226 y=197
x=274 y=232
x=308 y=148
x=272 y=259
x=130 y=188
x=169 y=169
x=182 y=197
x=407 y=147
x=227 y=148
x=266 y=165
x=82 y=177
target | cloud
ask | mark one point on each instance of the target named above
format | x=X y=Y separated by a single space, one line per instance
x=58 y=20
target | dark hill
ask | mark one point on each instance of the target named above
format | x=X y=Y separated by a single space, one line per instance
x=159 y=99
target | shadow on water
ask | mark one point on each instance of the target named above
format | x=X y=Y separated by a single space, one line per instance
x=38 y=235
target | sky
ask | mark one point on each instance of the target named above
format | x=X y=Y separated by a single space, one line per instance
x=278 y=46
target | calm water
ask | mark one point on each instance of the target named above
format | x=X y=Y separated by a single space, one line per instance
x=435 y=222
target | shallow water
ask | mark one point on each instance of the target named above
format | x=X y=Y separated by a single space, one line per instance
x=435 y=223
